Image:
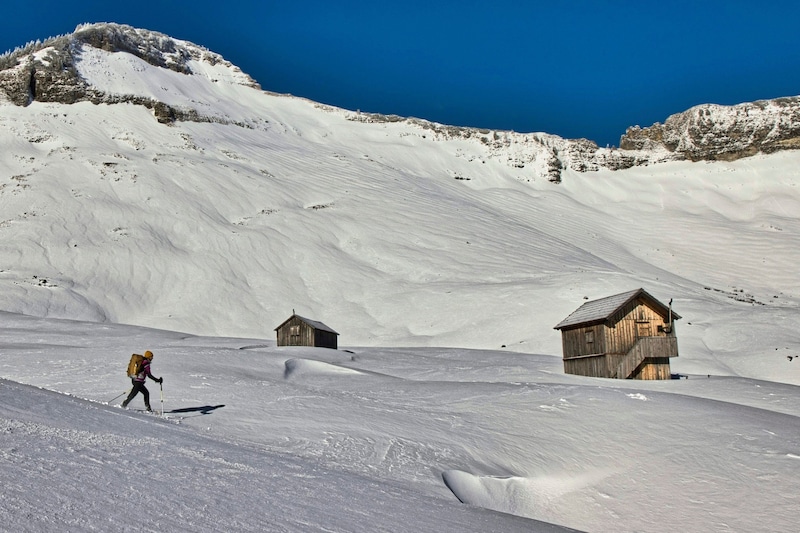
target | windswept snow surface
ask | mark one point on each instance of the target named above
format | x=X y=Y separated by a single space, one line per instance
x=260 y=438
x=394 y=233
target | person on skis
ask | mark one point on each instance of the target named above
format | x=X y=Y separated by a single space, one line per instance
x=139 y=379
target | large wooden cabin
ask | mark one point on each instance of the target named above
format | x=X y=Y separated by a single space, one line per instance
x=626 y=336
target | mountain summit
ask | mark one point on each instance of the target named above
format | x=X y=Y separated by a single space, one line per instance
x=69 y=69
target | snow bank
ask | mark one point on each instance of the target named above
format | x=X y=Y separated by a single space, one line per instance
x=521 y=496
x=299 y=367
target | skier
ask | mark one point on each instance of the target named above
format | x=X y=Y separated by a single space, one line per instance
x=139 y=379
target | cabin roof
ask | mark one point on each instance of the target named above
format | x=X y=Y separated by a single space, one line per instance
x=313 y=323
x=600 y=310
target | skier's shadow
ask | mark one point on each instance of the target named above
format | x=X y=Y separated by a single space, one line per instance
x=204 y=410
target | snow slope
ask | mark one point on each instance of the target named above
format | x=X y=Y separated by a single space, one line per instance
x=260 y=438
x=392 y=233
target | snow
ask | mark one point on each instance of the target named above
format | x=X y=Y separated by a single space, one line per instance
x=118 y=73
x=444 y=267
x=256 y=437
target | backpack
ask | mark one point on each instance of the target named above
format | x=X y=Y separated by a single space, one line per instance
x=135 y=365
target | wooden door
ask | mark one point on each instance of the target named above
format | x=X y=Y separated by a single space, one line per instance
x=643 y=329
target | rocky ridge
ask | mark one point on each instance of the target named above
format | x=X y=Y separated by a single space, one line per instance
x=46 y=72
x=712 y=132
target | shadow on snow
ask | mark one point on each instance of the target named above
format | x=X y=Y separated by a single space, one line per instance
x=204 y=410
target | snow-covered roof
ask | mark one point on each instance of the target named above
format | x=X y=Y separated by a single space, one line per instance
x=603 y=308
x=313 y=323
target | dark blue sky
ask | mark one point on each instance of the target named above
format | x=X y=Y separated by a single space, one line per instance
x=571 y=68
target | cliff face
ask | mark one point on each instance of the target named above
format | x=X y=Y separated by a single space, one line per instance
x=713 y=132
x=52 y=71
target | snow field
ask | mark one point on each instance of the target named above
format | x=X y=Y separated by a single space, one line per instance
x=495 y=429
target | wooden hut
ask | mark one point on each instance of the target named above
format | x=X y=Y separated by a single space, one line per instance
x=299 y=331
x=626 y=336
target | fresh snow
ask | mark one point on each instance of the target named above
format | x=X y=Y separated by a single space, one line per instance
x=260 y=438
x=443 y=264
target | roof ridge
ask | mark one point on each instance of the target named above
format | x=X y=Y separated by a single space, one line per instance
x=599 y=309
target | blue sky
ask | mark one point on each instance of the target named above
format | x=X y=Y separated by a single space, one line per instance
x=571 y=68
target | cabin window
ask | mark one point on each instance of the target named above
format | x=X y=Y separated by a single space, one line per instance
x=294 y=333
x=589 y=337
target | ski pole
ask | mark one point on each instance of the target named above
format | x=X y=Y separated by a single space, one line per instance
x=161 y=385
x=115 y=397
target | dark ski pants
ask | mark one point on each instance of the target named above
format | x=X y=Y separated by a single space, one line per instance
x=138 y=386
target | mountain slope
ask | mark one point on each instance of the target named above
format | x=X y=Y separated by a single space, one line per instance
x=187 y=198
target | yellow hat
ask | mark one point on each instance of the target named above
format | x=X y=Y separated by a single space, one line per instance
x=148 y=354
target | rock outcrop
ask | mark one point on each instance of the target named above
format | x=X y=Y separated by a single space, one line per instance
x=713 y=132
x=46 y=71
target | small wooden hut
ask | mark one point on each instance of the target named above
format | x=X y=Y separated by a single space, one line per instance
x=299 y=331
x=626 y=336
